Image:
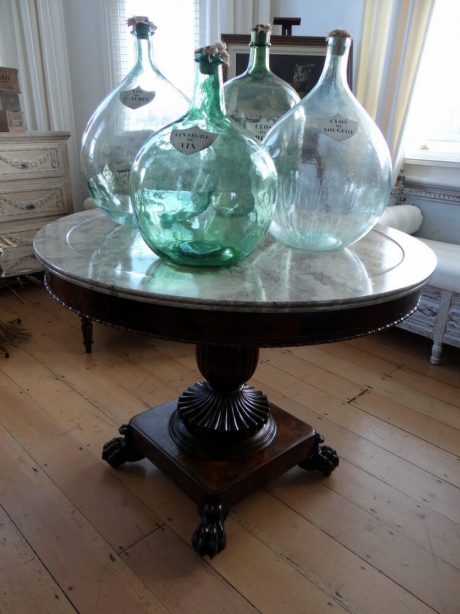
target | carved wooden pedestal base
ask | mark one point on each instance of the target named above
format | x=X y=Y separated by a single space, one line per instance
x=216 y=485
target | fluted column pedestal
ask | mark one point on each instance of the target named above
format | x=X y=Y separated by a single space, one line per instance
x=223 y=417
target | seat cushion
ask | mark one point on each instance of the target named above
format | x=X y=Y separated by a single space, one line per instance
x=407 y=218
x=447 y=273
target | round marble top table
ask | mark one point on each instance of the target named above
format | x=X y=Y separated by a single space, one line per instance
x=277 y=296
x=222 y=439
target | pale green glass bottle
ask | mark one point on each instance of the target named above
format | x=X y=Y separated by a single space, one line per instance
x=203 y=189
x=258 y=98
x=334 y=166
x=141 y=104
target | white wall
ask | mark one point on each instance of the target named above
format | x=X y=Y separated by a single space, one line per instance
x=318 y=18
x=87 y=48
x=8 y=49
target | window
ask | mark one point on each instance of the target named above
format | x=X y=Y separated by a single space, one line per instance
x=173 y=42
x=433 y=128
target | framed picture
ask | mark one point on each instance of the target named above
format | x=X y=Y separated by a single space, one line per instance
x=298 y=60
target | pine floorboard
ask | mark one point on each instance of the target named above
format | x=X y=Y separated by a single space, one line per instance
x=381 y=534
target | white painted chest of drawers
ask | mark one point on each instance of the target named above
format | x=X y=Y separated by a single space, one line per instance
x=34 y=189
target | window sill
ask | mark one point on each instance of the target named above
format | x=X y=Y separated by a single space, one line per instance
x=429 y=169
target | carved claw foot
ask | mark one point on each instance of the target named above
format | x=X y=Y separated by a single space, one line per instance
x=324 y=458
x=209 y=537
x=120 y=449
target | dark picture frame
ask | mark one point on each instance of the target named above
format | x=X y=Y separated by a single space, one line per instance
x=298 y=60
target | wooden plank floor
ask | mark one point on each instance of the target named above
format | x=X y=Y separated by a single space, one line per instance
x=380 y=535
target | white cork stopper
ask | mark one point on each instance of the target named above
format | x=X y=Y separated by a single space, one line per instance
x=262 y=27
x=133 y=21
x=217 y=50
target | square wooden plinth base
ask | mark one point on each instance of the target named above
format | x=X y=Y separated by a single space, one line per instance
x=223 y=481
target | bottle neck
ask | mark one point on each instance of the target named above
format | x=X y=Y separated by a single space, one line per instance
x=144 y=52
x=208 y=93
x=336 y=63
x=259 y=59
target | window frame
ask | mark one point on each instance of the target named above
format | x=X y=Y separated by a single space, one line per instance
x=431 y=166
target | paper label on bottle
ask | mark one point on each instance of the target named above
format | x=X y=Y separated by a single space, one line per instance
x=260 y=127
x=136 y=98
x=337 y=127
x=191 y=140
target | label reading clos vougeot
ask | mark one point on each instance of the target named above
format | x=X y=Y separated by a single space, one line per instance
x=136 y=98
x=260 y=127
x=337 y=127
x=191 y=140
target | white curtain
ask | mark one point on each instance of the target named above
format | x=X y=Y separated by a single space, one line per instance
x=230 y=17
x=392 y=41
x=37 y=29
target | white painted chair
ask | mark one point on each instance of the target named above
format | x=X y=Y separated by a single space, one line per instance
x=438 y=315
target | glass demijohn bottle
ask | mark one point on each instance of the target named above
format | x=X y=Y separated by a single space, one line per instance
x=202 y=188
x=141 y=104
x=334 y=166
x=258 y=98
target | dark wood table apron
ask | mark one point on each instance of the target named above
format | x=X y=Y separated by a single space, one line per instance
x=223 y=439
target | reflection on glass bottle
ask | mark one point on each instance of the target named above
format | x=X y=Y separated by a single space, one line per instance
x=333 y=164
x=202 y=188
x=285 y=273
x=302 y=77
x=121 y=258
x=258 y=98
x=141 y=104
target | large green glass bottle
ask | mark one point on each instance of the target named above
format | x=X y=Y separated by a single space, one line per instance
x=257 y=99
x=203 y=190
x=141 y=104
x=334 y=166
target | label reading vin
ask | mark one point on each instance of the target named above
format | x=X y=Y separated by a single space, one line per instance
x=337 y=127
x=191 y=140
x=136 y=98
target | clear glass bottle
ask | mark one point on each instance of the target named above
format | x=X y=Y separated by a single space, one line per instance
x=334 y=166
x=257 y=99
x=203 y=189
x=141 y=104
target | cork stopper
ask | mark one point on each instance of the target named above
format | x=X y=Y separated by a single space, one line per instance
x=213 y=54
x=260 y=35
x=338 y=41
x=339 y=32
x=141 y=26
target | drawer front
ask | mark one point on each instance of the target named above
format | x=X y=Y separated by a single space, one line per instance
x=32 y=161
x=17 y=252
x=33 y=200
x=21 y=263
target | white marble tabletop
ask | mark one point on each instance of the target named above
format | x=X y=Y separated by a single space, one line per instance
x=90 y=250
